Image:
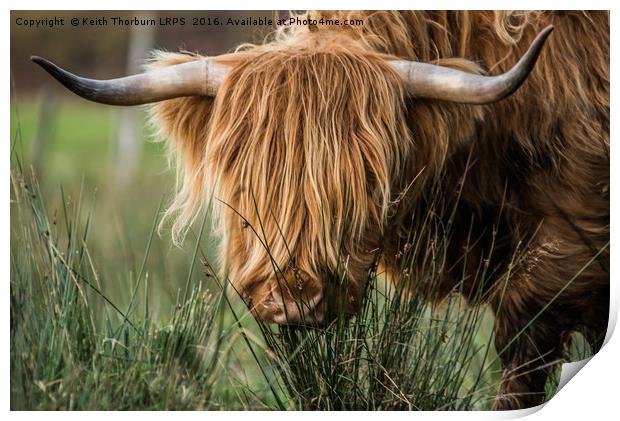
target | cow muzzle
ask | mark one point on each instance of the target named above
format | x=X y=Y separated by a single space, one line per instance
x=311 y=305
x=273 y=302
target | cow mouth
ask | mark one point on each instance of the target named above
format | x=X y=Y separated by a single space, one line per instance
x=274 y=308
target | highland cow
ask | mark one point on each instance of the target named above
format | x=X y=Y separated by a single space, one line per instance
x=314 y=135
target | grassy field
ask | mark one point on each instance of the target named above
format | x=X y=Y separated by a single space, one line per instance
x=107 y=314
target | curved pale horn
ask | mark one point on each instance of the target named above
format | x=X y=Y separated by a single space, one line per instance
x=431 y=81
x=201 y=77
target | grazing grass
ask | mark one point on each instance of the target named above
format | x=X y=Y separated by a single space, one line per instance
x=400 y=352
x=106 y=314
x=400 y=355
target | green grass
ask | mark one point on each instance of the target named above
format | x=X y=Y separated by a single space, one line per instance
x=106 y=314
x=72 y=347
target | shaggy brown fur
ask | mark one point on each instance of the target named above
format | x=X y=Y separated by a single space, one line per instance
x=312 y=134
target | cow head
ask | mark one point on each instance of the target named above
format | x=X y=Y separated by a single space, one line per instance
x=301 y=146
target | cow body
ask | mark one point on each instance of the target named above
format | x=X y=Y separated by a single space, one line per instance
x=536 y=184
x=537 y=180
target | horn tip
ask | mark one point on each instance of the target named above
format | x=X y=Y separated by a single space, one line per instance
x=37 y=59
x=541 y=38
x=545 y=32
x=46 y=64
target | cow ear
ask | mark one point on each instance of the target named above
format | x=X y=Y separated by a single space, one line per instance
x=440 y=127
x=181 y=121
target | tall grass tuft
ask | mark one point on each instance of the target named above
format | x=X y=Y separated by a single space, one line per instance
x=72 y=347
x=404 y=351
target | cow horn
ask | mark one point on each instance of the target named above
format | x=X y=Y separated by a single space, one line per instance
x=200 y=77
x=425 y=80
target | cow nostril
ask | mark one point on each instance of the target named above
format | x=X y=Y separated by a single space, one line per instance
x=270 y=299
